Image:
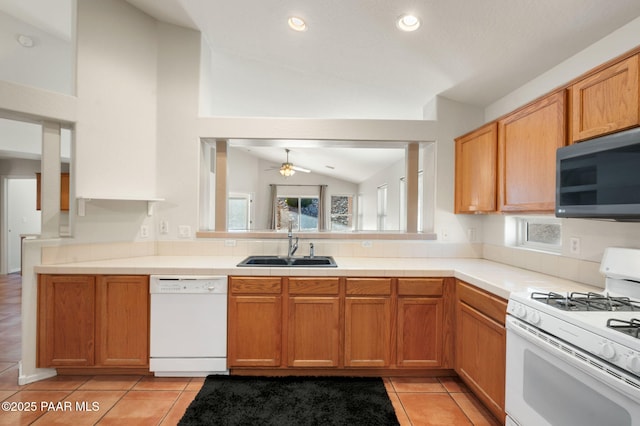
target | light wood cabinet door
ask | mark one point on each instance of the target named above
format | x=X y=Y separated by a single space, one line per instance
x=481 y=345
x=606 y=101
x=475 y=170
x=420 y=332
x=368 y=325
x=66 y=320
x=313 y=331
x=254 y=322
x=527 y=144
x=122 y=321
x=368 y=322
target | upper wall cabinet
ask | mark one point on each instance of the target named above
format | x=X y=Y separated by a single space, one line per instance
x=606 y=101
x=527 y=144
x=476 y=156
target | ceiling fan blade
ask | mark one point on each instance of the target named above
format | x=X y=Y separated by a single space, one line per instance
x=301 y=169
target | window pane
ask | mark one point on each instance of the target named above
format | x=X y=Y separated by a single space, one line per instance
x=308 y=214
x=238 y=214
x=545 y=233
x=539 y=233
x=286 y=211
x=302 y=212
x=341 y=212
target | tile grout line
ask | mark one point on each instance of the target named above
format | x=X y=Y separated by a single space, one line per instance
x=174 y=402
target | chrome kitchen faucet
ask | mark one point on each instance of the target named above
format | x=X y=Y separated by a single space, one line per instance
x=292 y=246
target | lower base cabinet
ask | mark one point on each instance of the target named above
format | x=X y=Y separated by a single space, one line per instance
x=425 y=318
x=368 y=322
x=481 y=345
x=338 y=323
x=255 y=322
x=313 y=326
x=93 y=321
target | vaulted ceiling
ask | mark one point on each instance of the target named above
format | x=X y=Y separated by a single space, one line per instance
x=470 y=51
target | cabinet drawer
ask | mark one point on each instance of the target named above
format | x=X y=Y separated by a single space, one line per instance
x=304 y=285
x=420 y=286
x=491 y=306
x=368 y=286
x=266 y=285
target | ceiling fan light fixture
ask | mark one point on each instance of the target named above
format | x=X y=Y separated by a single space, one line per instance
x=296 y=23
x=286 y=170
x=408 y=22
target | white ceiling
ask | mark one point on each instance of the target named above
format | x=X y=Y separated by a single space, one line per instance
x=473 y=51
x=338 y=159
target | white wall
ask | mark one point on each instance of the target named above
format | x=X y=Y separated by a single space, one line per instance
x=237 y=89
x=117 y=100
x=178 y=143
x=369 y=190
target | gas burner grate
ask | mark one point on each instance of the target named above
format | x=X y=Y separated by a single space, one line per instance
x=629 y=327
x=579 y=301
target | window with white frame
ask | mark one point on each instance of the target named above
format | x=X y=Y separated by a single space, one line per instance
x=539 y=233
x=301 y=211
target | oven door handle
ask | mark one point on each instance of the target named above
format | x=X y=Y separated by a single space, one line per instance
x=612 y=376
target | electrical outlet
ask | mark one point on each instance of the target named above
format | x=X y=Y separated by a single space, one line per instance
x=184 y=231
x=574 y=245
x=367 y=244
x=164 y=227
x=229 y=243
x=144 y=231
x=444 y=234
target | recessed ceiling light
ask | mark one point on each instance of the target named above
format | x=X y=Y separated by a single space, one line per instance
x=25 y=40
x=297 y=24
x=408 y=22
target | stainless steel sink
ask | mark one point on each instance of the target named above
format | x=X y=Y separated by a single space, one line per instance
x=313 y=262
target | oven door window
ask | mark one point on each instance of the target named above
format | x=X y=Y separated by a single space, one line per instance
x=544 y=389
x=563 y=400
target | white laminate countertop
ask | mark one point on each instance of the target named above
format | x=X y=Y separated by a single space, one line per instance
x=497 y=278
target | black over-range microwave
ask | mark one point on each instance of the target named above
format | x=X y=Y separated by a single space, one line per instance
x=600 y=178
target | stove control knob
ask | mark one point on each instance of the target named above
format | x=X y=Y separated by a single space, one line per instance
x=534 y=317
x=607 y=351
x=633 y=362
x=521 y=311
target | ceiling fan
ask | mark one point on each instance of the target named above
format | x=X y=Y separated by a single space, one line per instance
x=288 y=169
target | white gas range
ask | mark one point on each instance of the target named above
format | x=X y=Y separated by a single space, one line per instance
x=574 y=358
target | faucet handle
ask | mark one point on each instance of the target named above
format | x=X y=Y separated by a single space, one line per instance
x=311 y=250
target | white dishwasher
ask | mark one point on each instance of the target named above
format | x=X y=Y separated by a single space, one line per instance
x=188 y=325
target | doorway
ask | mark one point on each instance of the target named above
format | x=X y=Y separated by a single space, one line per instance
x=23 y=220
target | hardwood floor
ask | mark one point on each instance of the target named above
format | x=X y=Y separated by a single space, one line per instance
x=148 y=400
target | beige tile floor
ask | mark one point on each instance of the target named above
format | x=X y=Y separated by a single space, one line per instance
x=147 y=400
